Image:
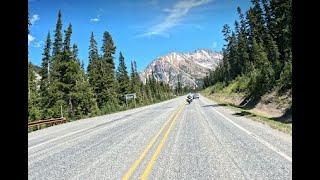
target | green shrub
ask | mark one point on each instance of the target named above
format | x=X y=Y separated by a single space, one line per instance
x=243 y=82
x=34 y=114
x=218 y=87
x=285 y=81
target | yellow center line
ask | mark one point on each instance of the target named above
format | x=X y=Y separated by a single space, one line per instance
x=158 y=150
x=134 y=166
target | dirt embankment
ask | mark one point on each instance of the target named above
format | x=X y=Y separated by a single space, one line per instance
x=270 y=105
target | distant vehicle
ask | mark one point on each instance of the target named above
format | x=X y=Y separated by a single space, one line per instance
x=189 y=98
x=195 y=96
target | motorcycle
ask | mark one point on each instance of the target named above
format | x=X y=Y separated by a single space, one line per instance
x=189 y=100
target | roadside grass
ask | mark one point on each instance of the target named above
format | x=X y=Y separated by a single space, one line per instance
x=285 y=127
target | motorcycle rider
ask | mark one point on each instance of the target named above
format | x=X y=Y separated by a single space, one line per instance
x=189 y=98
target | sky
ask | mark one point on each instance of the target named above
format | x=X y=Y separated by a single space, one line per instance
x=141 y=29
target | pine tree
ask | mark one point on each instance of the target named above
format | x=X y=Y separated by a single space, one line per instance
x=122 y=78
x=136 y=86
x=267 y=14
x=82 y=66
x=259 y=50
x=69 y=73
x=226 y=32
x=45 y=65
x=62 y=75
x=179 y=85
x=54 y=91
x=262 y=75
x=108 y=50
x=97 y=73
x=242 y=45
x=149 y=89
x=64 y=83
x=71 y=87
x=57 y=45
x=256 y=22
x=281 y=27
x=45 y=75
x=75 y=52
x=234 y=62
x=132 y=78
x=226 y=53
x=94 y=70
x=83 y=99
x=93 y=55
x=108 y=84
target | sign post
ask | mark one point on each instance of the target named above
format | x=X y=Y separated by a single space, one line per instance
x=131 y=96
x=61 y=111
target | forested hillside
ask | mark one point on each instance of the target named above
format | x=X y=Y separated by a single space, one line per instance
x=65 y=88
x=257 y=56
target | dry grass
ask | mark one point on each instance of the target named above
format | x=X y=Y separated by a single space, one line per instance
x=260 y=114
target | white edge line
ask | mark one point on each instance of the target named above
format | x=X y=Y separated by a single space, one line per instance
x=57 y=138
x=256 y=137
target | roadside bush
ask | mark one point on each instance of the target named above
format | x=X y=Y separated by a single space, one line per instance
x=240 y=84
x=285 y=81
x=255 y=82
x=218 y=87
x=260 y=81
x=34 y=114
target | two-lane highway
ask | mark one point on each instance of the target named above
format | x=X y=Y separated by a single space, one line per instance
x=168 y=140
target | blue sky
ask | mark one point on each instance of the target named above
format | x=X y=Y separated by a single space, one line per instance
x=141 y=29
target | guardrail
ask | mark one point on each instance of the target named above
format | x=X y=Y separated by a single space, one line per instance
x=52 y=121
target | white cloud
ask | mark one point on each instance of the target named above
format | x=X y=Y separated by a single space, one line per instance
x=176 y=14
x=34 y=18
x=37 y=44
x=95 y=19
x=32 y=41
x=166 y=10
x=30 y=38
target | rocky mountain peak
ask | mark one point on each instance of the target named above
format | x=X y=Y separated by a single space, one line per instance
x=190 y=67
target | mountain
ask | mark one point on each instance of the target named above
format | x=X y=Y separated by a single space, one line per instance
x=36 y=71
x=36 y=68
x=191 y=67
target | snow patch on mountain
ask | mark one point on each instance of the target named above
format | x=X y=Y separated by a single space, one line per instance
x=190 y=67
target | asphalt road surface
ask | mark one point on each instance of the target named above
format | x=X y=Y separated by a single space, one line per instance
x=168 y=140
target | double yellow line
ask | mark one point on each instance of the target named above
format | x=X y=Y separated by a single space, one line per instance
x=166 y=128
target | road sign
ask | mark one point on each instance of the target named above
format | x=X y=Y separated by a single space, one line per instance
x=131 y=96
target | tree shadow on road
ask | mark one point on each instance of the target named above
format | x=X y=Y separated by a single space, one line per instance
x=243 y=113
x=214 y=105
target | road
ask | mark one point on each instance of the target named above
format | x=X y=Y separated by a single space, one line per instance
x=168 y=140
